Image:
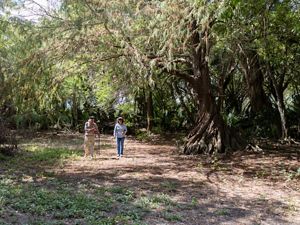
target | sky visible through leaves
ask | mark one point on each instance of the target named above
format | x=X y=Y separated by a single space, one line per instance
x=34 y=9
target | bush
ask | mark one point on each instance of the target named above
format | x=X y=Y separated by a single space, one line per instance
x=142 y=135
x=8 y=142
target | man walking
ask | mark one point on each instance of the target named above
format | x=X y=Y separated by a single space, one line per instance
x=91 y=130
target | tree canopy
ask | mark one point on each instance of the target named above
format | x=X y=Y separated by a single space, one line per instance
x=215 y=70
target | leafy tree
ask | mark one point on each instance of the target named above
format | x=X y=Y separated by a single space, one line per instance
x=280 y=45
x=167 y=64
x=180 y=45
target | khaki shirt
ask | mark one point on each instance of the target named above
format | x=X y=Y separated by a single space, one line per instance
x=91 y=129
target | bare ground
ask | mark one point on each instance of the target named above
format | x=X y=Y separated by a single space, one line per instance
x=248 y=188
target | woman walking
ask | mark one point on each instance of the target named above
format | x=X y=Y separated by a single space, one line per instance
x=120 y=131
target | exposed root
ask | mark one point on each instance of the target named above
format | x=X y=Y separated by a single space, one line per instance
x=253 y=148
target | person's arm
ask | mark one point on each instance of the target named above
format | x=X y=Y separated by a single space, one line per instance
x=125 y=130
x=86 y=127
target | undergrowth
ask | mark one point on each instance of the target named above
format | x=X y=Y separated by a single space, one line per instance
x=31 y=193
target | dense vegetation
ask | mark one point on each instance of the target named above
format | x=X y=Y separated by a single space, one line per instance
x=188 y=76
x=221 y=71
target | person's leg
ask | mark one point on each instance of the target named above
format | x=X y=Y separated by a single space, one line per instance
x=86 y=146
x=121 y=146
x=119 y=141
x=92 y=144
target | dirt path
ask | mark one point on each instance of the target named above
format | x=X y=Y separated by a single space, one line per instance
x=252 y=190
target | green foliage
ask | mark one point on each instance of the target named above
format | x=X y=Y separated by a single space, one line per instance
x=61 y=200
x=142 y=135
x=232 y=119
x=222 y=212
x=105 y=57
x=105 y=93
x=60 y=203
x=172 y=217
x=2 y=157
x=162 y=198
x=126 y=109
x=52 y=155
x=154 y=202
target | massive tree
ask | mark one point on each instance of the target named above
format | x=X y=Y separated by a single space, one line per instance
x=136 y=44
x=183 y=35
x=174 y=37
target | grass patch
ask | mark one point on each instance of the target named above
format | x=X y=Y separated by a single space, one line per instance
x=146 y=204
x=34 y=156
x=163 y=198
x=59 y=201
x=30 y=191
x=169 y=186
x=172 y=217
x=194 y=201
x=154 y=202
x=222 y=212
x=51 y=155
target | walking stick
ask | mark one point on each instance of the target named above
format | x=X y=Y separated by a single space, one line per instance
x=99 y=143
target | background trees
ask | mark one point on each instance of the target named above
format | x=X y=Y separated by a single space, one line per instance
x=211 y=69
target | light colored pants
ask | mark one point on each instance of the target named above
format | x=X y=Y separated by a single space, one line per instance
x=89 y=142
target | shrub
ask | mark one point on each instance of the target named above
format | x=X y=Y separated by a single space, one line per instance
x=8 y=143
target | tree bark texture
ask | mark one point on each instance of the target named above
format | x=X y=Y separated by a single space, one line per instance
x=149 y=101
x=210 y=133
x=279 y=89
x=254 y=79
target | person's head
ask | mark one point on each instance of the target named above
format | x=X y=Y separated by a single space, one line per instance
x=91 y=119
x=120 y=120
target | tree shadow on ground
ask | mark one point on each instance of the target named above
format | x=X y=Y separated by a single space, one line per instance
x=212 y=206
x=274 y=163
x=166 y=189
x=193 y=203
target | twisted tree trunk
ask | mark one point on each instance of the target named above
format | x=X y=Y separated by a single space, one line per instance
x=251 y=67
x=210 y=133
